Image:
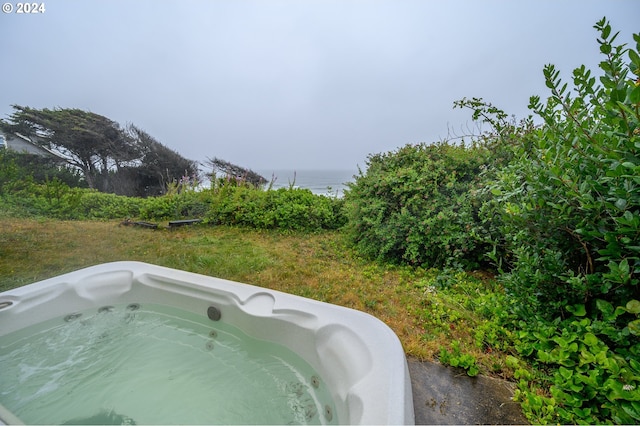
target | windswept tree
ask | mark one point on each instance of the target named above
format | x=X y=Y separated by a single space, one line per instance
x=92 y=143
x=159 y=165
x=126 y=161
x=234 y=171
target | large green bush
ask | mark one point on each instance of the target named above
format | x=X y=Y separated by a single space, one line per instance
x=100 y=205
x=569 y=215
x=285 y=208
x=570 y=205
x=57 y=200
x=420 y=205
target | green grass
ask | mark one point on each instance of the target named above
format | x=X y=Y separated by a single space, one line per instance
x=429 y=310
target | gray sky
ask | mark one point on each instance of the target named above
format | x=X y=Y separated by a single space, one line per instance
x=297 y=84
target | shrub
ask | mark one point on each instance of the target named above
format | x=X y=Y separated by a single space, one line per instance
x=570 y=202
x=226 y=203
x=18 y=166
x=420 y=205
x=174 y=206
x=569 y=205
x=57 y=200
x=285 y=208
x=592 y=364
x=100 y=205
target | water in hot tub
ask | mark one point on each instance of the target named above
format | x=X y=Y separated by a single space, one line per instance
x=150 y=364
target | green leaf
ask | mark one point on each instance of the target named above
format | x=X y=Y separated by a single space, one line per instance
x=628 y=216
x=617 y=390
x=634 y=327
x=623 y=267
x=611 y=364
x=586 y=357
x=634 y=95
x=565 y=372
x=621 y=203
x=590 y=339
x=632 y=408
x=577 y=310
x=566 y=361
x=563 y=343
x=473 y=371
x=619 y=311
x=575 y=387
x=512 y=361
x=582 y=412
x=545 y=357
x=633 y=306
x=605 y=307
x=634 y=57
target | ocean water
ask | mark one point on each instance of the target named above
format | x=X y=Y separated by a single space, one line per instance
x=326 y=182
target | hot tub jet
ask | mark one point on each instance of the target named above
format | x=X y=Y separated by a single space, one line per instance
x=214 y=313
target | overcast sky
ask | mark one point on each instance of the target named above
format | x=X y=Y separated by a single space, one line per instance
x=295 y=84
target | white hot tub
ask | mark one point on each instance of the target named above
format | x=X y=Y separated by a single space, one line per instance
x=357 y=357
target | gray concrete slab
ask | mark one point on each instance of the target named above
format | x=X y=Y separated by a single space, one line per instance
x=446 y=396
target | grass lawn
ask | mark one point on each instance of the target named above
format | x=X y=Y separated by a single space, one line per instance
x=429 y=311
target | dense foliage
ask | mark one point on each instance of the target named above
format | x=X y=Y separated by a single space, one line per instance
x=19 y=167
x=571 y=222
x=290 y=208
x=557 y=209
x=227 y=202
x=570 y=207
x=420 y=205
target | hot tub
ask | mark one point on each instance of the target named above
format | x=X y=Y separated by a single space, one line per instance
x=356 y=356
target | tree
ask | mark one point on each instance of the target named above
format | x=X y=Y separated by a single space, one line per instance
x=125 y=161
x=233 y=171
x=159 y=165
x=92 y=143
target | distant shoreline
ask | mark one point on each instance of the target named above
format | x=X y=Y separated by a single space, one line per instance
x=318 y=181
